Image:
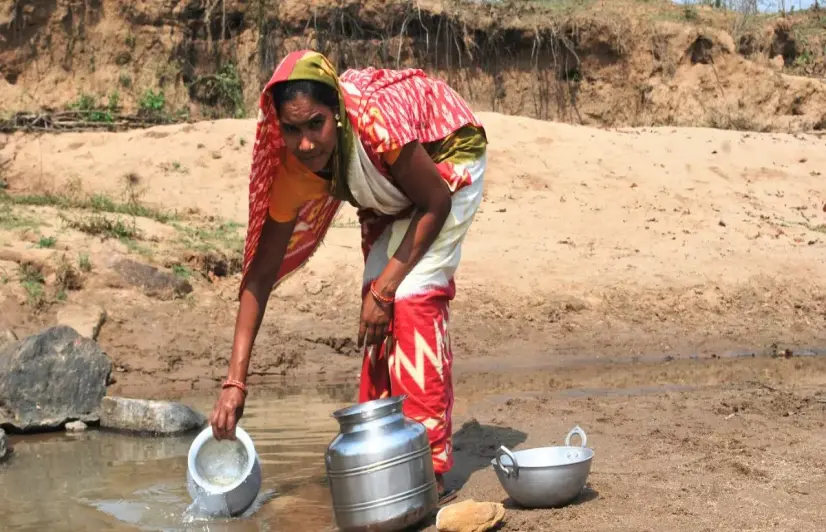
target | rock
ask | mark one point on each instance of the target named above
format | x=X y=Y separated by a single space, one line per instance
x=75 y=426
x=157 y=417
x=50 y=378
x=154 y=282
x=4 y=444
x=87 y=321
x=7 y=337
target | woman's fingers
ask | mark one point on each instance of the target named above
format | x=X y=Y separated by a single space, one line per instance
x=213 y=421
x=368 y=337
x=219 y=424
x=229 y=427
x=374 y=324
x=362 y=333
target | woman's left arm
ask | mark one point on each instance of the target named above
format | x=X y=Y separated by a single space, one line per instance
x=417 y=176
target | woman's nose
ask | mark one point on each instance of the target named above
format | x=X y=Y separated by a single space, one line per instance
x=305 y=144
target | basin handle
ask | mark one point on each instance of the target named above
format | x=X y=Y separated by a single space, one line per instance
x=514 y=469
x=576 y=431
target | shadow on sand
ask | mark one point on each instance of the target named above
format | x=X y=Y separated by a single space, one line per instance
x=474 y=446
x=587 y=494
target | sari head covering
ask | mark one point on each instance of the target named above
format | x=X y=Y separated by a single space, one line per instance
x=269 y=152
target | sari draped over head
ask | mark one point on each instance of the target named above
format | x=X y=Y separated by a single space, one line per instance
x=380 y=111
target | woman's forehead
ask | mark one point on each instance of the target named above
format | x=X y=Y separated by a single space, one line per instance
x=302 y=109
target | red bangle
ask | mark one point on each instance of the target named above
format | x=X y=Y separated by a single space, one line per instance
x=232 y=383
x=378 y=297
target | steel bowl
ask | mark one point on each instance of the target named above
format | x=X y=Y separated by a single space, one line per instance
x=223 y=477
x=545 y=477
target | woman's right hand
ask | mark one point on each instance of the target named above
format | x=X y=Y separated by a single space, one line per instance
x=275 y=238
x=227 y=411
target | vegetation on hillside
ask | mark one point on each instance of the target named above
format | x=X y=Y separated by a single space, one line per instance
x=544 y=58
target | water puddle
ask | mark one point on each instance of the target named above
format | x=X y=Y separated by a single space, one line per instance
x=100 y=480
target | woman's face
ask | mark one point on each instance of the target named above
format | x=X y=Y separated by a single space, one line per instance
x=309 y=130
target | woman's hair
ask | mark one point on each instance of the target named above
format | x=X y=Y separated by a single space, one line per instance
x=286 y=91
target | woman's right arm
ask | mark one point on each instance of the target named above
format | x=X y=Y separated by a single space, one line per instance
x=263 y=271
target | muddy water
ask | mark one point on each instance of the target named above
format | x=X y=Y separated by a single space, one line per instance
x=100 y=480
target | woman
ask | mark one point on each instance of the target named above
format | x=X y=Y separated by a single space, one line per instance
x=410 y=155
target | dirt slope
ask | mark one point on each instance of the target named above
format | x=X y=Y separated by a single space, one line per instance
x=615 y=63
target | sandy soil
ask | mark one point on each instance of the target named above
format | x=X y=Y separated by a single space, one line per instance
x=614 y=260
x=723 y=452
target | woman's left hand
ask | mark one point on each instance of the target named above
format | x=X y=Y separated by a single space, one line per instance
x=375 y=321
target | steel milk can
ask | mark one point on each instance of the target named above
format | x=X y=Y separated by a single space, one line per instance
x=379 y=468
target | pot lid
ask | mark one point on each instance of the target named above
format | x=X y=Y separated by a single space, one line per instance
x=369 y=410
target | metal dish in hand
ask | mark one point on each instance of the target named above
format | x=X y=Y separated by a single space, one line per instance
x=545 y=477
x=223 y=477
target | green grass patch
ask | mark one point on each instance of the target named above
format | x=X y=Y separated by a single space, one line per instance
x=46 y=242
x=103 y=226
x=11 y=220
x=136 y=247
x=224 y=236
x=181 y=271
x=563 y=5
x=31 y=273
x=95 y=202
x=35 y=293
x=90 y=109
x=818 y=228
x=84 y=263
x=34 y=283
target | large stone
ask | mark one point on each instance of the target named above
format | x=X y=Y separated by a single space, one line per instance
x=87 y=321
x=154 y=282
x=155 y=417
x=50 y=378
x=4 y=444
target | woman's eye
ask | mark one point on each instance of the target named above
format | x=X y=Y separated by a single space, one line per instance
x=316 y=123
x=289 y=128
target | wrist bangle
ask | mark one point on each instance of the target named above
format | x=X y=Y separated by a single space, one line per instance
x=378 y=297
x=233 y=383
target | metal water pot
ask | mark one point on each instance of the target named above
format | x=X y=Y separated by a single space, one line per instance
x=379 y=468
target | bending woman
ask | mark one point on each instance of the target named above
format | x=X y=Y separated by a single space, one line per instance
x=408 y=153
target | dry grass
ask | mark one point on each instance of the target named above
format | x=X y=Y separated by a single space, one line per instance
x=102 y=226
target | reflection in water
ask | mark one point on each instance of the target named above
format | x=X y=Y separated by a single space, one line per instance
x=100 y=480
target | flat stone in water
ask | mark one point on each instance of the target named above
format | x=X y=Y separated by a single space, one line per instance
x=75 y=426
x=155 y=417
x=112 y=480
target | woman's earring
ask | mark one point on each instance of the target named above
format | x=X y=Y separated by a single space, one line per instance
x=338 y=121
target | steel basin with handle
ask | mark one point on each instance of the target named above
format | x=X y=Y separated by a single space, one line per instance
x=545 y=477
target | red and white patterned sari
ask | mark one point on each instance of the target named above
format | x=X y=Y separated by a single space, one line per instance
x=386 y=109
